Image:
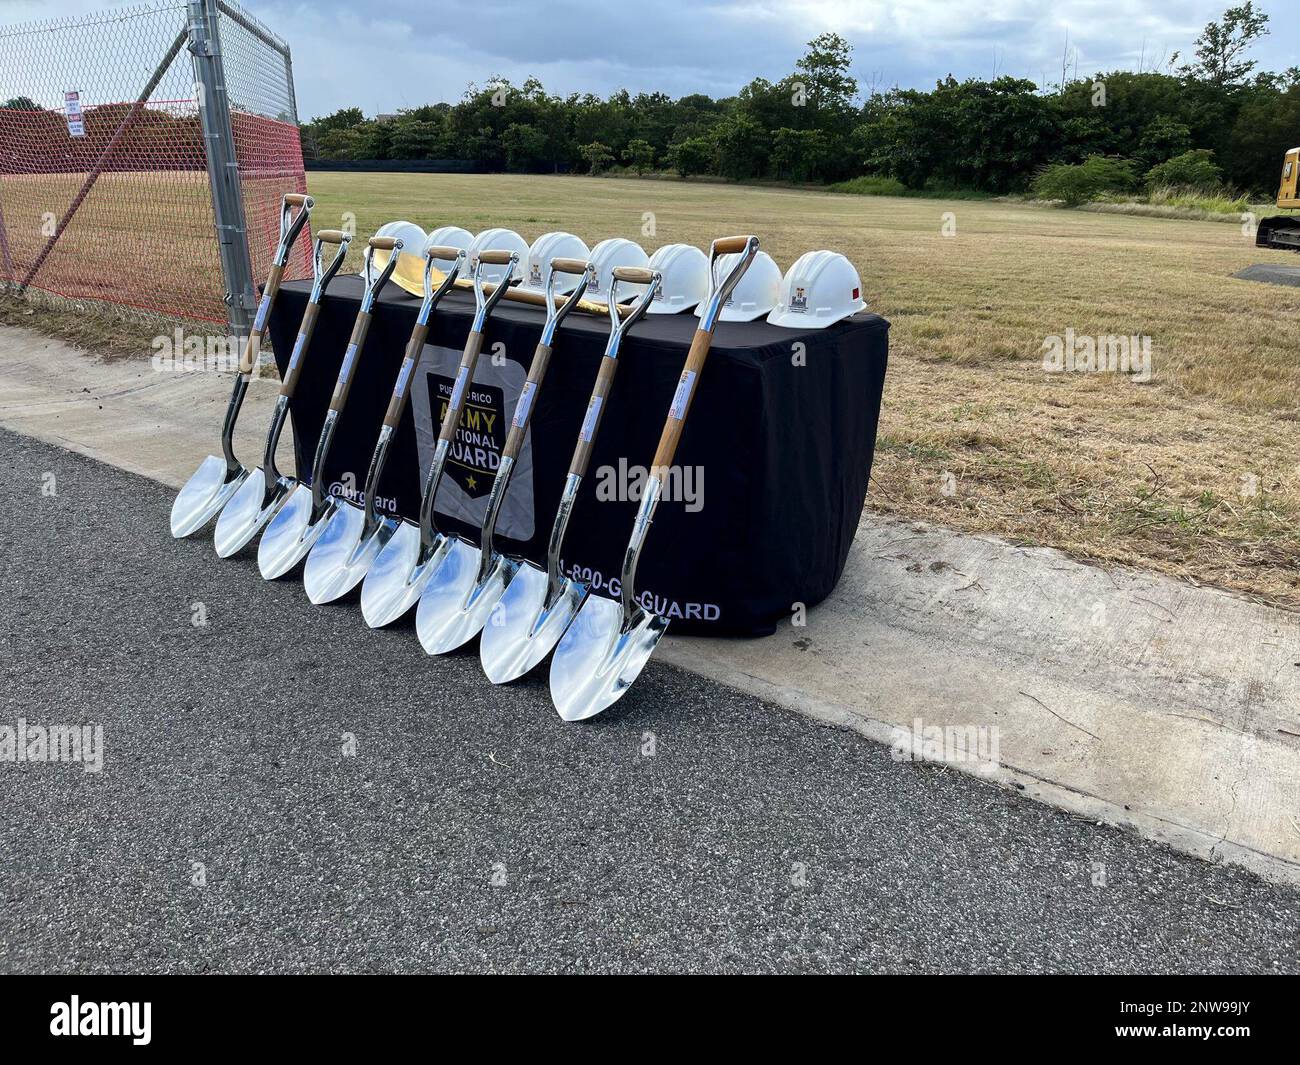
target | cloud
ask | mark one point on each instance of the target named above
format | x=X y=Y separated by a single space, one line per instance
x=402 y=53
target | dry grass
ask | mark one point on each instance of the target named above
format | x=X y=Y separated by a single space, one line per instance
x=1196 y=473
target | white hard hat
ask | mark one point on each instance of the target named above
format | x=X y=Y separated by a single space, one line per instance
x=538 y=264
x=450 y=237
x=686 y=278
x=409 y=271
x=497 y=240
x=605 y=256
x=755 y=293
x=818 y=290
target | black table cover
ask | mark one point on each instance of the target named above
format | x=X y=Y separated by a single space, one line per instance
x=773 y=464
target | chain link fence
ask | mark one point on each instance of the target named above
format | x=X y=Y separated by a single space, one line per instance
x=115 y=172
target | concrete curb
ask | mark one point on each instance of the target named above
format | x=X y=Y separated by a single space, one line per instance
x=1119 y=696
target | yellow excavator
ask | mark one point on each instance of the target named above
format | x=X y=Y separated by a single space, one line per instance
x=1283 y=231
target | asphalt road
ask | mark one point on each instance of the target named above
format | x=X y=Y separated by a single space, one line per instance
x=472 y=829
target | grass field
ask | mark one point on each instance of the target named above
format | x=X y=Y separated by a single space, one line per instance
x=1195 y=472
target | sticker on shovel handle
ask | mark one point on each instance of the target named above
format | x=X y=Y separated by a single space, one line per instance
x=298 y=345
x=524 y=405
x=263 y=309
x=403 y=375
x=682 y=399
x=349 y=357
x=589 y=422
x=458 y=391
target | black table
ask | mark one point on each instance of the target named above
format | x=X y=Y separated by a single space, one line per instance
x=774 y=460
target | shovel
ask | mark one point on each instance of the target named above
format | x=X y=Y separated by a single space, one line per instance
x=471 y=580
x=538 y=605
x=609 y=643
x=218 y=478
x=301 y=518
x=259 y=497
x=398 y=575
x=354 y=535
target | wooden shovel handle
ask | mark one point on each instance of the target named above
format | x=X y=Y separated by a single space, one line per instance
x=592 y=415
x=569 y=266
x=253 y=345
x=495 y=257
x=730 y=245
x=296 y=199
x=634 y=275
x=402 y=389
x=681 y=406
x=443 y=251
x=523 y=414
x=461 y=386
x=347 y=371
x=330 y=236
x=383 y=243
x=305 y=330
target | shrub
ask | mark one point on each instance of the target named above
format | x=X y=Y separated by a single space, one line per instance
x=1191 y=170
x=692 y=156
x=871 y=185
x=1076 y=183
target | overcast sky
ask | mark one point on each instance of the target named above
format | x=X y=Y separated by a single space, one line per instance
x=390 y=54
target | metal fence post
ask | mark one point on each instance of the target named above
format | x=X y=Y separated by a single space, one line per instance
x=223 y=169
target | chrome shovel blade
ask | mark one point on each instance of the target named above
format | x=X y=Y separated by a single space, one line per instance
x=455 y=604
x=203 y=496
x=248 y=510
x=291 y=534
x=341 y=556
x=597 y=659
x=396 y=579
x=521 y=631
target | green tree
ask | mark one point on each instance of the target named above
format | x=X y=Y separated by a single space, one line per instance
x=742 y=147
x=694 y=155
x=1221 y=47
x=640 y=155
x=799 y=154
x=525 y=147
x=597 y=156
x=1164 y=138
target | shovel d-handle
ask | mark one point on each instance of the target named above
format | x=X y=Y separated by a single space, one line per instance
x=321 y=277
x=290 y=226
x=619 y=323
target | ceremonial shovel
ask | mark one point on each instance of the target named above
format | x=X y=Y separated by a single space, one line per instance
x=398 y=575
x=609 y=642
x=266 y=488
x=353 y=535
x=301 y=518
x=538 y=605
x=218 y=478
x=470 y=581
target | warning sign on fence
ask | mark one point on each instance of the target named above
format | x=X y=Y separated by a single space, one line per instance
x=72 y=105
